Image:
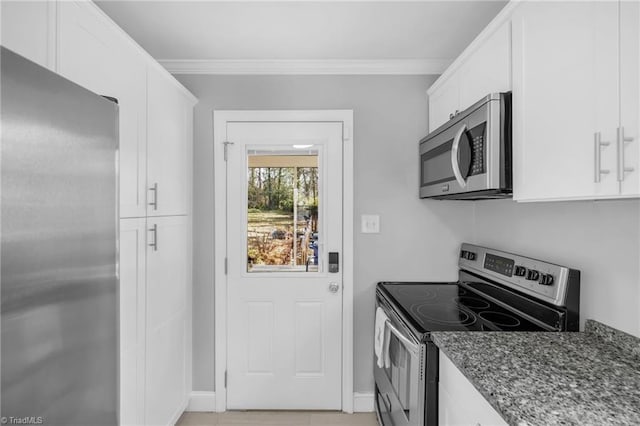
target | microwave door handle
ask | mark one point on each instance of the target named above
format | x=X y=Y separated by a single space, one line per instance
x=411 y=345
x=454 y=156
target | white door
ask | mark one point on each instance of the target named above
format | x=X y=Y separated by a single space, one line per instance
x=284 y=303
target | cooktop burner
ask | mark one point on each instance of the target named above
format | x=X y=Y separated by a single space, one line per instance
x=451 y=307
x=445 y=314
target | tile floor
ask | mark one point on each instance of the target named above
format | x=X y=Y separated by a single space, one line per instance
x=278 y=418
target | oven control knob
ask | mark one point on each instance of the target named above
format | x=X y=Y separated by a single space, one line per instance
x=533 y=275
x=520 y=271
x=546 y=279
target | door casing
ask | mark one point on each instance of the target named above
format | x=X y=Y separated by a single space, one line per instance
x=220 y=118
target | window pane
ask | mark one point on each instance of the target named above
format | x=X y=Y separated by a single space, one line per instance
x=282 y=212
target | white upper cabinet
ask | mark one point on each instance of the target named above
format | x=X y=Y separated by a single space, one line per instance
x=92 y=53
x=488 y=69
x=444 y=102
x=483 y=68
x=170 y=115
x=567 y=82
x=28 y=28
x=630 y=94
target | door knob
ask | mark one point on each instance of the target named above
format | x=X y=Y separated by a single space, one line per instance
x=334 y=287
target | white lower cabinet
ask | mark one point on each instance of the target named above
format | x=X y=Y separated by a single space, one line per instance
x=459 y=403
x=132 y=325
x=154 y=323
x=166 y=319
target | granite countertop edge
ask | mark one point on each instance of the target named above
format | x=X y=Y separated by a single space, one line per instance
x=595 y=333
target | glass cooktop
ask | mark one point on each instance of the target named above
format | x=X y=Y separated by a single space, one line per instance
x=451 y=307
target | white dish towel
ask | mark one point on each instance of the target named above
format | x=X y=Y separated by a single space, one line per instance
x=382 y=336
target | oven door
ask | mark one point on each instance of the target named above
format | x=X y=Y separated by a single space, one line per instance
x=400 y=385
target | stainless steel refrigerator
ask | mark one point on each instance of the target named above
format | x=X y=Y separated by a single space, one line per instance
x=58 y=258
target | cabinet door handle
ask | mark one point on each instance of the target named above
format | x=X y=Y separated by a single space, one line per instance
x=598 y=144
x=621 y=139
x=154 y=203
x=154 y=242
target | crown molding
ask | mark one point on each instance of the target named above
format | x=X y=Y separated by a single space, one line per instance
x=306 y=66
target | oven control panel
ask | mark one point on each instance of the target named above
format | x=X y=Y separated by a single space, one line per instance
x=544 y=280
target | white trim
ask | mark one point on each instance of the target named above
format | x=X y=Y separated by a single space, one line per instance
x=220 y=219
x=503 y=16
x=363 y=402
x=306 y=66
x=202 y=402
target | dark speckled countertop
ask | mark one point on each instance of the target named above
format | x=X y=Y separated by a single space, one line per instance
x=586 y=378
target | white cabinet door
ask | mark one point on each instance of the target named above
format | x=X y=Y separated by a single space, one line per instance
x=166 y=322
x=459 y=403
x=565 y=85
x=443 y=102
x=488 y=69
x=28 y=28
x=93 y=53
x=132 y=304
x=169 y=115
x=630 y=94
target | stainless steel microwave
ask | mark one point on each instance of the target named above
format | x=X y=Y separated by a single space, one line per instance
x=469 y=157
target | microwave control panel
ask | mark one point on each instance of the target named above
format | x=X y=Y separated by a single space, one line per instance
x=476 y=138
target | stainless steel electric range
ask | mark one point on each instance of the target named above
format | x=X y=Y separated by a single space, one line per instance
x=496 y=291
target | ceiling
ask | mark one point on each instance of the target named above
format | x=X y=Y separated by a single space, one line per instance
x=303 y=30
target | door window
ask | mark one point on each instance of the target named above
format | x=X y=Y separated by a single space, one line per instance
x=282 y=211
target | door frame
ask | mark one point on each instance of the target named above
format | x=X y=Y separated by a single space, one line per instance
x=220 y=118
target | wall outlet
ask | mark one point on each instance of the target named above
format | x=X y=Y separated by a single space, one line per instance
x=370 y=224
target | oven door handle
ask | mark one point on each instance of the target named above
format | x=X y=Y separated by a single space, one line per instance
x=413 y=347
x=454 y=156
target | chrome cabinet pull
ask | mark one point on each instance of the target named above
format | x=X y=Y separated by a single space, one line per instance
x=598 y=144
x=154 y=243
x=154 y=203
x=621 y=139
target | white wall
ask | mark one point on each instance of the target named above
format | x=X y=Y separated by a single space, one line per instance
x=419 y=239
x=600 y=238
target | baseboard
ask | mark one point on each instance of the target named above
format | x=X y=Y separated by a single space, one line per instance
x=363 y=402
x=206 y=402
x=202 y=401
x=176 y=416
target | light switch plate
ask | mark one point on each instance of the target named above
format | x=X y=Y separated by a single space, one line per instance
x=370 y=224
